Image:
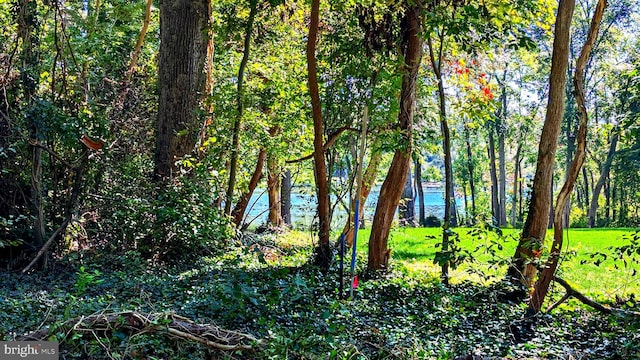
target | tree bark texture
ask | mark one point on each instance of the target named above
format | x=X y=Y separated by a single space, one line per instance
x=535 y=228
x=323 y=252
x=183 y=48
x=273 y=191
x=285 y=196
x=407 y=213
x=237 y=123
x=548 y=272
x=390 y=192
x=604 y=173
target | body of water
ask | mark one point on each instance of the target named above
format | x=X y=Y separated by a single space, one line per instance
x=303 y=206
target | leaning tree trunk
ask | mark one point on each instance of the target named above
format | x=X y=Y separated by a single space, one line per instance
x=606 y=167
x=548 y=272
x=323 y=251
x=390 y=192
x=241 y=206
x=183 y=48
x=535 y=228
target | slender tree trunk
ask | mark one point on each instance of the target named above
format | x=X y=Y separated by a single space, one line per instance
x=28 y=32
x=604 y=173
x=183 y=48
x=520 y=194
x=607 y=198
x=551 y=207
x=535 y=227
x=502 y=180
x=407 y=213
x=449 y=203
x=241 y=206
x=516 y=181
x=548 y=272
x=273 y=190
x=323 y=251
x=495 y=203
x=390 y=192
x=368 y=180
x=235 y=135
x=285 y=194
x=420 y=190
x=472 y=184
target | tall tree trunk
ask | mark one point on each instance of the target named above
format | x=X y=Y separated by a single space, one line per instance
x=604 y=173
x=323 y=251
x=407 y=213
x=520 y=194
x=273 y=190
x=420 y=190
x=183 y=48
x=516 y=182
x=551 y=207
x=28 y=32
x=472 y=183
x=390 y=192
x=501 y=129
x=495 y=202
x=285 y=195
x=585 y=181
x=607 y=198
x=235 y=135
x=535 y=228
x=449 y=202
x=548 y=272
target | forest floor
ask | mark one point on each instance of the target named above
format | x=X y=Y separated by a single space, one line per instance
x=266 y=288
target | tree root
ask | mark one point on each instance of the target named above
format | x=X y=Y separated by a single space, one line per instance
x=137 y=323
x=571 y=292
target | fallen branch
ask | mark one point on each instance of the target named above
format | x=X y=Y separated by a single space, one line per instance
x=571 y=292
x=137 y=323
x=47 y=245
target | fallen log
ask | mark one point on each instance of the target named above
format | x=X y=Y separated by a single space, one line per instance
x=571 y=292
x=170 y=323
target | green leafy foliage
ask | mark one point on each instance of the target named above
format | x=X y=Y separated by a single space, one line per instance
x=295 y=309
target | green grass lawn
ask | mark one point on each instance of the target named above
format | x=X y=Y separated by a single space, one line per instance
x=414 y=248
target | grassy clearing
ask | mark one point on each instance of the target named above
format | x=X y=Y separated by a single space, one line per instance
x=414 y=248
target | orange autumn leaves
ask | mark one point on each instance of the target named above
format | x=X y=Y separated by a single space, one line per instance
x=475 y=83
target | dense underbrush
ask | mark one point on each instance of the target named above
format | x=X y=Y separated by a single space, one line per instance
x=266 y=288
